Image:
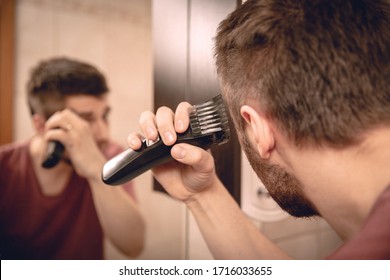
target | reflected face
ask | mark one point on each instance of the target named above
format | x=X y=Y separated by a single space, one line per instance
x=282 y=187
x=94 y=110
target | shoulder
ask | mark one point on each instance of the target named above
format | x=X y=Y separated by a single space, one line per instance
x=379 y=212
x=372 y=241
x=14 y=165
x=385 y=197
x=13 y=151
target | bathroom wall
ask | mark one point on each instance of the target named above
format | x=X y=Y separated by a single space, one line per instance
x=115 y=35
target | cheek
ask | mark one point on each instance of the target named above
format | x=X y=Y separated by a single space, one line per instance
x=38 y=122
x=99 y=129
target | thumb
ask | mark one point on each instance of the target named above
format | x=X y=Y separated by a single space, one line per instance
x=200 y=160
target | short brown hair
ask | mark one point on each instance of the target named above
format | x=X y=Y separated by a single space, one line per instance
x=318 y=68
x=54 y=79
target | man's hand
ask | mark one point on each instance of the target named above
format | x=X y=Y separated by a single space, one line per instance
x=193 y=169
x=80 y=146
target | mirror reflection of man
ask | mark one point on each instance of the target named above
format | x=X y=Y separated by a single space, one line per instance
x=65 y=212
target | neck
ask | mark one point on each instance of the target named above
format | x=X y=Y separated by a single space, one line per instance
x=52 y=181
x=344 y=184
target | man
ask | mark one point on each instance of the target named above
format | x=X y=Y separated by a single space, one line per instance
x=307 y=85
x=65 y=212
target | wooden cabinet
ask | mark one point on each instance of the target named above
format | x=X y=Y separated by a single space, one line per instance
x=7 y=19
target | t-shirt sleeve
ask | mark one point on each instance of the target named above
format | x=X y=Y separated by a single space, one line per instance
x=372 y=241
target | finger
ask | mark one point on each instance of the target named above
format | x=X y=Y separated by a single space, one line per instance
x=65 y=120
x=58 y=135
x=200 y=160
x=53 y=121
x=64 y=126
x=147 y=123
x=164 y=119
x=182 y=119
x=134 y=141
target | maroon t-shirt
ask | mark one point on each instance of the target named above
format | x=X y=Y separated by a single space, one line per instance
x=36 y=226
x=373 y=240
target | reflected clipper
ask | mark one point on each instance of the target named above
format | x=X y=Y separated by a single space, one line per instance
x=209 y=126
x=53 y=154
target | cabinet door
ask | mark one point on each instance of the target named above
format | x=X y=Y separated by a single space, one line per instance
x=184 y=68
x=7 y=22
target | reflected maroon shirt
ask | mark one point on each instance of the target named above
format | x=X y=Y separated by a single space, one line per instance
x=35 y=226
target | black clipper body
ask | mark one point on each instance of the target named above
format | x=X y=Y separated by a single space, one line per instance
x=209 y=126
x=53 y=154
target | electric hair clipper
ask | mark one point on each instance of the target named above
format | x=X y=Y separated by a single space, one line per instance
x=53 y=154
x=209 y=126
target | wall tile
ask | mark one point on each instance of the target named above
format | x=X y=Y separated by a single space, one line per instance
x=328 y=241
x=303 y=247
x=289 y=227
x=33 y=42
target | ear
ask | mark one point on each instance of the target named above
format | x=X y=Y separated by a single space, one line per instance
x=261 y=130
x=39 y=123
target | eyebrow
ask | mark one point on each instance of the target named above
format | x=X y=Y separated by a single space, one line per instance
x=89 y=114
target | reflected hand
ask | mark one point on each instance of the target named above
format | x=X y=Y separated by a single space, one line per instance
x=80 y=146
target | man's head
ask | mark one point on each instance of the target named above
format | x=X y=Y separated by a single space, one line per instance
x=318 y=70
x=53 y=80
x=59 y=83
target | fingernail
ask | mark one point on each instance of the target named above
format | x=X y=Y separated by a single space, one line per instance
x=133 y=142
x=180 y=125
x=178 y=152
x=169 y=136
x=150 y=131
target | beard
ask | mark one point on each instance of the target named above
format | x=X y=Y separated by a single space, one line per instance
x=284 y=188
